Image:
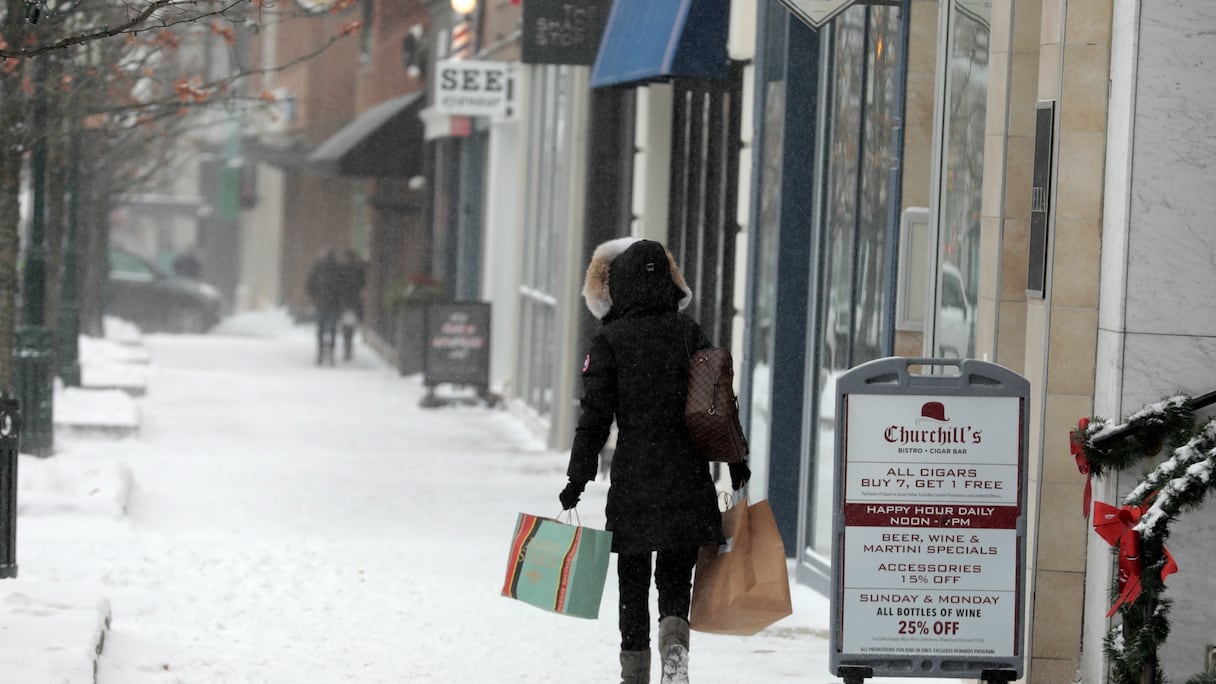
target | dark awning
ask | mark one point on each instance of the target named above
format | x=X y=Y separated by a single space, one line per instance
x=649 y=40
x=384 y=141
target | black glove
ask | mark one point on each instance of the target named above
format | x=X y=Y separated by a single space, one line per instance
x=569 y=495
x=739 y=475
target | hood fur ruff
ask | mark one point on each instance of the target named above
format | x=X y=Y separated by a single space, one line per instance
x=595 y=285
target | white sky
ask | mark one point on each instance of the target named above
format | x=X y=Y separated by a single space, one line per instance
x=288 y=523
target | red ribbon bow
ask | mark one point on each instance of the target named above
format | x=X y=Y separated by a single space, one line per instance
x=1117 y=527
x=1076 y=443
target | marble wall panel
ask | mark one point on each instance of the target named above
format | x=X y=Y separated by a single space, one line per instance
x=1172 y=249
x=1155 y=366
x=1193 y=623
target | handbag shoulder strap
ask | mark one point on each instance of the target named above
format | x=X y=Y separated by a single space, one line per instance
x=683 y=335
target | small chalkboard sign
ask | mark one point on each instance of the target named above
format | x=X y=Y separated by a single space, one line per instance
x=458 y=343
x=458 y=346
x=563 y=31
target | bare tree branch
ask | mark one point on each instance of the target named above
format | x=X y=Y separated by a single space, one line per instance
x=150 y=18
x=221 y=84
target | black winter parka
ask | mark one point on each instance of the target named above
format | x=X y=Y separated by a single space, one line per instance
x=661 y=494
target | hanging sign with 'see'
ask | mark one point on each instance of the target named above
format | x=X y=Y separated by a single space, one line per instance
x=472 y=88
x=928 y=556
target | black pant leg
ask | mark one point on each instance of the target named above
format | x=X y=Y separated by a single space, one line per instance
x=673 y=577
x=633 y=577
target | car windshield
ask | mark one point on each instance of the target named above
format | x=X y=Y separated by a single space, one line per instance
x=125 y=262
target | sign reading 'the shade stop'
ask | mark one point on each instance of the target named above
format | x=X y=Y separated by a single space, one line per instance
x=928 y=572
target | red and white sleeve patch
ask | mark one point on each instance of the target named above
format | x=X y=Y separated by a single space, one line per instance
x=586 y=363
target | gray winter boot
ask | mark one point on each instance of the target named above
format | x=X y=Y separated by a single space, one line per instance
x=673 y=649
x=635 y=667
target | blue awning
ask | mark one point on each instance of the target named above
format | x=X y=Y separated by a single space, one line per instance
x=650 y=40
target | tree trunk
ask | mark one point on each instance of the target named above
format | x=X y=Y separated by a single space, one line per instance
x=93 y=241
x=56 y=191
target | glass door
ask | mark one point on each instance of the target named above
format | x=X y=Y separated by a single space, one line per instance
x=960 y=177
x=862 y=109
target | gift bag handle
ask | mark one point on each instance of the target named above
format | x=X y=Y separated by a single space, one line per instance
x=738 y=495
x=571 y=517
x=725 y=501
x=728 y=500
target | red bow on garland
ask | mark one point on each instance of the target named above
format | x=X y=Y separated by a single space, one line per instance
x=1076 y=442
x=1116 y=526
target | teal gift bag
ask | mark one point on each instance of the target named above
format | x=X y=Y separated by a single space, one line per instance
x=557 y=566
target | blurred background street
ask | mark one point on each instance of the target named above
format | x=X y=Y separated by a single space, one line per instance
x=278 y=522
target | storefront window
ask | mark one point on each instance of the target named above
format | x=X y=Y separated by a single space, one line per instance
x=702 y=212
x=862 y=108
x=961 y=178
x=764 y=235
x=548 y=184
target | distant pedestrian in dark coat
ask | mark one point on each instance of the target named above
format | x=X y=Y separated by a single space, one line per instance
x=324 y=289
x=352 y=275
x=661 y=497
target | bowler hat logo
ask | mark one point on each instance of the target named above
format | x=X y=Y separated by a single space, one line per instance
x=932 y=411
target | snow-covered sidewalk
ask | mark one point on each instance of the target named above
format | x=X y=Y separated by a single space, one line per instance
x=287 y=523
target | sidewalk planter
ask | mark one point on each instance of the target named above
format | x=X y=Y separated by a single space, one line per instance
x=409 y=334
x=408 y=303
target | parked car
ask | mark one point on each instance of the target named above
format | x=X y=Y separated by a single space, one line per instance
x=157 y=301
x=956 y=317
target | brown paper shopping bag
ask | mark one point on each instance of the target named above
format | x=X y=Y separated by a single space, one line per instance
x=743 y=586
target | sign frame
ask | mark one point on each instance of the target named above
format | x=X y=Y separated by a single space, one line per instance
x=563 y=31
x=983 y=394
x=817 y=13
x=492 y=96
x=437 y=367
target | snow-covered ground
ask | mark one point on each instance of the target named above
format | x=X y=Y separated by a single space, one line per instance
x=278 y=522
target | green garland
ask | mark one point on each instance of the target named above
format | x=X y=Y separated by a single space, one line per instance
x=1208 y=677
x=1129 y=658
x=1179 y=483
x=1167 y=422
x=1176 y=479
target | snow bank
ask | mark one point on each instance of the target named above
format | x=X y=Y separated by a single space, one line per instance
x=72 y=483
x=260 y=323
x=121 y=331
x=51 y=633
x=102 y=351
x=104 y=412
x=130 y=378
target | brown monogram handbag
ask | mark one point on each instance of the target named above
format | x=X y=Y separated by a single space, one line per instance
x=712 y=410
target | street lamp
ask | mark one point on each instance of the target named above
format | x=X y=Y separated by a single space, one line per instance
x=34 y=355
x=35 y=349
x=10 y=433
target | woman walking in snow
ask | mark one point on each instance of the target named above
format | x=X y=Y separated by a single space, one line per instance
x=661 y=499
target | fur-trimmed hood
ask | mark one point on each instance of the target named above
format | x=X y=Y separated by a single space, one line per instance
x=599 y=288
